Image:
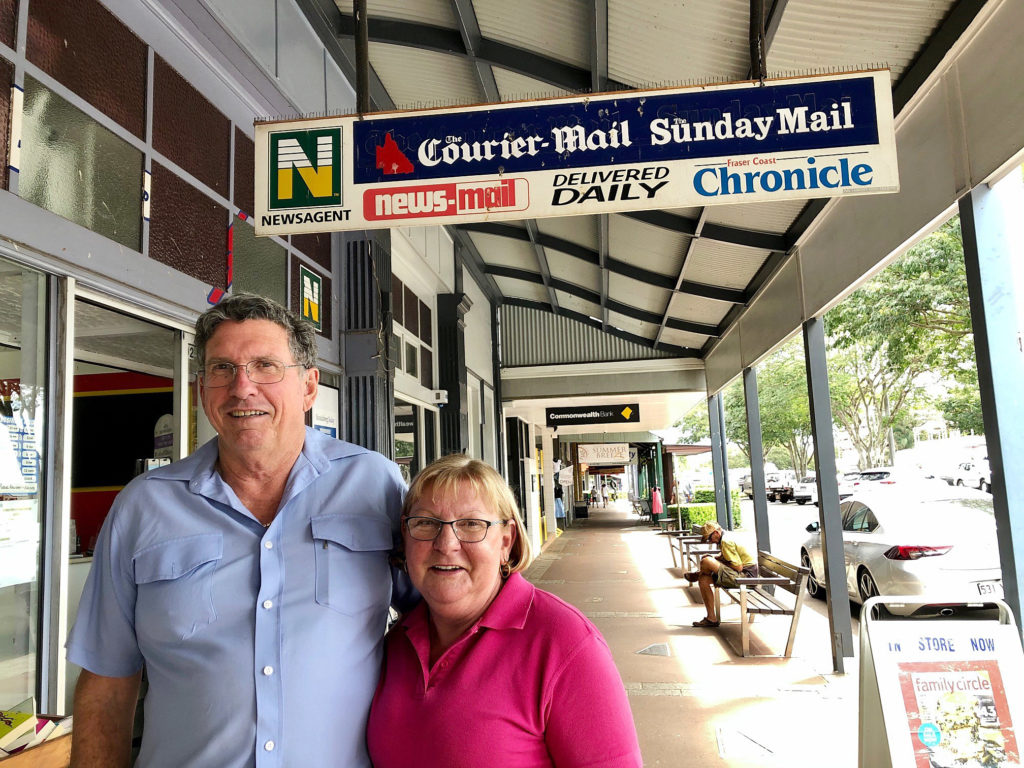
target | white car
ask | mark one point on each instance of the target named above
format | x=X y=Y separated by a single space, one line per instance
x=974 y=474
x=806 y=490
x=924 y=539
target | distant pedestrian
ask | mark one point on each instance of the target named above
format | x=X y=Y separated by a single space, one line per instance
x=559 y=504
x=604 y=495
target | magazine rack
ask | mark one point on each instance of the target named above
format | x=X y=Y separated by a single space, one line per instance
x=941 y=691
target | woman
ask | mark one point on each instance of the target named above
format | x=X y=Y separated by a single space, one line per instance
x=487 y=669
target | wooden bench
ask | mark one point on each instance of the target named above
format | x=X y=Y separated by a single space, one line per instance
x=679 y=544
x=755 y=597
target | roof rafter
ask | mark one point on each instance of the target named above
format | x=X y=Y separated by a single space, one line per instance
x=469 y=29
x=450 y=41
x=623 y=268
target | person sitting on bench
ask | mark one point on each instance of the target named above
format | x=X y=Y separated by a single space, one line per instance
x=734 y=562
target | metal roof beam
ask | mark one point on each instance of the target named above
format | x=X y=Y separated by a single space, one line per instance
x=443 y=40
x=613 y=265
x=542 y=263
x=469 y=29
x=602 y=262
x=476 y=264
x=628 y=310
x=732 y=235
x=690 y=247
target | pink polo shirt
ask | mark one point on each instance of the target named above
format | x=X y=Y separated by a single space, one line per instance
x=532 y=683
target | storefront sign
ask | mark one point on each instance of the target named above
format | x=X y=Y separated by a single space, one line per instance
x=593 y=414
x=325 y=410
x=405 y=423
x=940 y=693
x=594 y=454
x=311 y=295
x=794 y=138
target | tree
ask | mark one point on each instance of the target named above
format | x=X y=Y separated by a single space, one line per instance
x=912 y=317
x=916 y=310
x=785 y=414
x=961 y=408
x=860 y=383
x=694 y=426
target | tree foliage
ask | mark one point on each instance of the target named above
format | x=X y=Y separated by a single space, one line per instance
x=912 y=318
x=916 y=311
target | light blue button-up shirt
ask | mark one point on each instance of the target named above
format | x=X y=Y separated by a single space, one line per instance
x=262 y=646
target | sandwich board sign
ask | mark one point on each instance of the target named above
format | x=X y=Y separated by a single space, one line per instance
x=940 y=693
x=787 y=138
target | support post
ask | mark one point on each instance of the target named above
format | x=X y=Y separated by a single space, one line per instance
x=753 y=407
x=993 y=238
x=369 y=382
x=830 y=528
x=719 y=466
x=451 y=371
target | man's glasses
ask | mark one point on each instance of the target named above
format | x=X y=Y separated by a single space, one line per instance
x=258 y=371
x=468 y=530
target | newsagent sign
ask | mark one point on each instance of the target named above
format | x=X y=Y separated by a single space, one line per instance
x=793 y=138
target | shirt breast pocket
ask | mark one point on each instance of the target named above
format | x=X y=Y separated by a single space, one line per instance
x=352 y=573
x=174 y=580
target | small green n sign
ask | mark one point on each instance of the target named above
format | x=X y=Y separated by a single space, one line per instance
x=311 y=295
x=305 y=168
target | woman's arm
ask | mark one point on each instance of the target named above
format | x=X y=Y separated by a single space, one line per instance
x=588 y=719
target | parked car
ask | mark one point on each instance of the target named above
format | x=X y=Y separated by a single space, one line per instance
x=922 y=539
x=806 y=490
x=746 y=486
x=779 y=486
x=973 y=474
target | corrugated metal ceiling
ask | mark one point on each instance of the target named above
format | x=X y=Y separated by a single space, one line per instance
x=466 y=51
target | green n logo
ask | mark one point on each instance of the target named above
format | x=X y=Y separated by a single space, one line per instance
x=305 y=168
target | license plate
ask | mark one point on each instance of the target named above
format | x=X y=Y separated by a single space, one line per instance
x=990 y=588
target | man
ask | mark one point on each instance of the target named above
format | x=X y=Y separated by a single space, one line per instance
x=735 y=561
x=250 y=579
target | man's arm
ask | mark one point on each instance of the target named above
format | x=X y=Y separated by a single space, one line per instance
x=104 y=715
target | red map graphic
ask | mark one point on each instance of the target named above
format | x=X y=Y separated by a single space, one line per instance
x=391 y=159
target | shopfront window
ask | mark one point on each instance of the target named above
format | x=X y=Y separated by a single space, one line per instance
x=22 y=431
x=406 y=439
x=123 y=414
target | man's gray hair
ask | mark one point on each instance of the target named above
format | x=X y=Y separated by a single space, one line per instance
x=250 y=306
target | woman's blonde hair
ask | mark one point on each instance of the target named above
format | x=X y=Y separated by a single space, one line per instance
x=446 y=476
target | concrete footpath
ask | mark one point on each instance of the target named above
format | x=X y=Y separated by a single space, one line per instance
x=695 y=700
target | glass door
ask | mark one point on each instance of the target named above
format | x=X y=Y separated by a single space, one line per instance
x=23 y=398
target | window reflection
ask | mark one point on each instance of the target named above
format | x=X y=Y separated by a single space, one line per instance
x=76 y=168
x=22 y=430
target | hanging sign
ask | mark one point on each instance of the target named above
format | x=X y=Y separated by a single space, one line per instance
x=627 y=413
x=940 y=693
x=793 y=138
x=594 y=454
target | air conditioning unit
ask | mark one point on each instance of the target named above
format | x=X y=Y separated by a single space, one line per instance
x=440 y=396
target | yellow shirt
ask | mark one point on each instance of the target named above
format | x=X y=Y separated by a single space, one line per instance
x=735 y=554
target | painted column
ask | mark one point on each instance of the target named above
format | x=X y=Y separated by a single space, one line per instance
x=993 y=236
x=366 y=327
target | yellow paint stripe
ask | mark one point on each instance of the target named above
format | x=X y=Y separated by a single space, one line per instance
x=123 y=392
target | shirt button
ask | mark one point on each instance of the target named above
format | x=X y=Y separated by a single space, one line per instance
x=269 y=746
x=268 y=545
x=268 y=670
x=268 y=604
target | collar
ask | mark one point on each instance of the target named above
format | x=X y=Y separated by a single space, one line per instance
x=509 y=609
x=199 y=469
